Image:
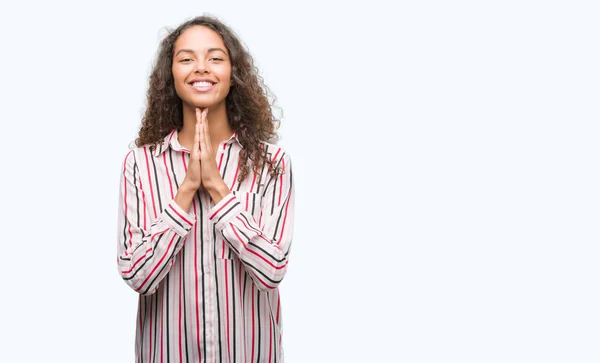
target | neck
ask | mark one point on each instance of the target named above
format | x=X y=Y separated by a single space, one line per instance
x=218 y=126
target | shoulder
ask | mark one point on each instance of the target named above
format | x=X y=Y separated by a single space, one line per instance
x=279 y=156
x=274 y=151
x=134 y=153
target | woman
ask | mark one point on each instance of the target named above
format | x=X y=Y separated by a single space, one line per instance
x=206 y=211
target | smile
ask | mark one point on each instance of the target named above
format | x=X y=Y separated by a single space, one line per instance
x=202 y=86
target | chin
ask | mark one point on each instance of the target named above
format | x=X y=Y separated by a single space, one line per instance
x=203 y=104
x=199 y=103
x=211 y=104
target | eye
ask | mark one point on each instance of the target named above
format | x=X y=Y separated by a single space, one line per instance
x=185 y=60
x=216 y=59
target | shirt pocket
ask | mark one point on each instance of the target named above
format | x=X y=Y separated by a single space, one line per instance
x=222 y=250
x=251 y=202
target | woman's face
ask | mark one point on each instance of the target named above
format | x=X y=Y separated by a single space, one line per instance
x=201 y=68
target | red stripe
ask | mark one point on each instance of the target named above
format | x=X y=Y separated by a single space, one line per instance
x=222 y=153
x=240 y=269
x=253 y=181
x=275 y=157
x=252 y=251
x=150 y=182
x=285 y=216
x=167 y=172
x=136 y=262
x=195 y=268
x=278 y=303
x=196 y=282
x=125 y=163
x=220 y=209
x=143 y=199
x=141 y=326
x=281 y=183
x=253 y=331
x=237 y=170
x=247 y=201
x=227 y=308
x=220 y=162
x=159 y=262
x=237 y=235
x=264 y=283
x=210 y=308
x=147 y=250
x=125 y=215
x=180 y=216
x=180 y=309
x=270 y=340
x=253 y=230
x=171 y=137
x=161 y=328
x=150 y=351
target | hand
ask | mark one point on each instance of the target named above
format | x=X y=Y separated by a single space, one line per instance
x=193 y=178
x=211 y=176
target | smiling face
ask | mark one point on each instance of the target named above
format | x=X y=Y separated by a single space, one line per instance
x=201 y=68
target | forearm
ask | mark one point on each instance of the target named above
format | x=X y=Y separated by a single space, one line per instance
x=144 y=266
x=145 y=256
x=217 y=189
x=264 y=259
x=185 y=195
x=263 y=251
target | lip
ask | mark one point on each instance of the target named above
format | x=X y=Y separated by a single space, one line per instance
x=202 y=89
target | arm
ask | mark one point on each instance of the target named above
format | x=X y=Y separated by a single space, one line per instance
x=262 y=247
x=147 y=249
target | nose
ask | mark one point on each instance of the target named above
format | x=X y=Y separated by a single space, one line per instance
x=201 y=66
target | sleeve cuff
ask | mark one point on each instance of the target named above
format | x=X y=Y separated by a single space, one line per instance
x=224 y=211
x=179 y=221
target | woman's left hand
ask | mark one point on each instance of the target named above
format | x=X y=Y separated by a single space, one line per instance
x=211 y=177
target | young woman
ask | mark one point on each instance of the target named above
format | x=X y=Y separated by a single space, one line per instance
x=206 y=206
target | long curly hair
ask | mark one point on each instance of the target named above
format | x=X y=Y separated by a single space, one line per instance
x=249 y=102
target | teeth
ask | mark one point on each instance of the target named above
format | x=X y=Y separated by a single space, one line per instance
x=202 y=84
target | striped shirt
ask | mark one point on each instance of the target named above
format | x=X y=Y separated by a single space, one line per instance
x=208 y=277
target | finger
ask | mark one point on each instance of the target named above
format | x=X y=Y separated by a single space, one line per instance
x=197 y=137
x=199 y=114
x=196 y=146
x=202 y=134
x=207 y=136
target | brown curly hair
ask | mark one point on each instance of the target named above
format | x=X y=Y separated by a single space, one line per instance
x=249 y=110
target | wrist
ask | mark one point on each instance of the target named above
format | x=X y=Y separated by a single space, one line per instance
x=217 y=190
x=188 y=187
x=185 y=195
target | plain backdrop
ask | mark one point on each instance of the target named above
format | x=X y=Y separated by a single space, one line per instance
x=445 y=155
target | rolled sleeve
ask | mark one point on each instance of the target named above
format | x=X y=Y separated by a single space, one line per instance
x=176 y=218
x=224 y=211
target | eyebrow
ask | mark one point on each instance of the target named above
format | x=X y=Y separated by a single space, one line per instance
x=209 y=51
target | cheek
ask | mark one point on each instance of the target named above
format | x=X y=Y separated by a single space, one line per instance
x=225 y=75
x=176 y=72
x=178 y=79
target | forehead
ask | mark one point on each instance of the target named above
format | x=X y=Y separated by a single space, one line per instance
x=199 y=38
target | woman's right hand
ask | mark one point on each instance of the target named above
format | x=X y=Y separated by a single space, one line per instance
x=193 y=178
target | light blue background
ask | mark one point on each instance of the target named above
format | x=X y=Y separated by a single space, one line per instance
x=445 y=157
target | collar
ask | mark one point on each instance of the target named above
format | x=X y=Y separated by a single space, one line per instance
x=172 y=141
